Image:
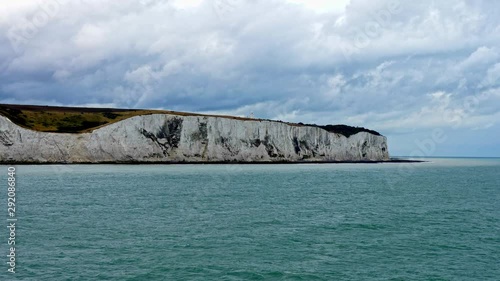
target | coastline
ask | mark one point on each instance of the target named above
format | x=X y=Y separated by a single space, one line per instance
x=391 y=161
x=163 y=138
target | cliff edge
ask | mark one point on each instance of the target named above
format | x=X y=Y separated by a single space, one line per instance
x=169 y=138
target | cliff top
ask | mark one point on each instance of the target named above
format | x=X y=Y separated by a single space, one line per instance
x=82 y=119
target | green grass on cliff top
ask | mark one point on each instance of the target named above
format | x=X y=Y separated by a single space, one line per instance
x=81 y=120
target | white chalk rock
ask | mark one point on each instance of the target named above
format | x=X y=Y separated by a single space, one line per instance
x=173 y=138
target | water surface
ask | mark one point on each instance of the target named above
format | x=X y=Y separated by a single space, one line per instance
x=430 y=221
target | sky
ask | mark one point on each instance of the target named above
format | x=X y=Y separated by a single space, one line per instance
x=426 y=74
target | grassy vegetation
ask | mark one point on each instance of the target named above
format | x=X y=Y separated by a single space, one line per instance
x=82 y=120
x=76 y=119
x=63 y=120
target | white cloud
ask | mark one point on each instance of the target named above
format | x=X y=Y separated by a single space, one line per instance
x=90 y=36
x=492 y=77
x=282 y=59
x=186 y=4
x=321 y=6
x=483 y=55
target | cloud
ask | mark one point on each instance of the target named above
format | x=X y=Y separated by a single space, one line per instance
x=321 y=6
x=492 y=76
x=389 y=65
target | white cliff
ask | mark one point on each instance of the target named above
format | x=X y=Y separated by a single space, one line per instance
x=172 y=138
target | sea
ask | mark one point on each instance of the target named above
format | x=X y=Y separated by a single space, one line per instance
x=437 y=220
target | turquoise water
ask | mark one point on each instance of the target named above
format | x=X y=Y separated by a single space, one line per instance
x=430 y=221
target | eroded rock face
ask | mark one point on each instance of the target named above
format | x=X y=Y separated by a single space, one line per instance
x=172 y=138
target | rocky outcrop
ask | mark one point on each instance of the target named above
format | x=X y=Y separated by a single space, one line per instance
x=173 y=138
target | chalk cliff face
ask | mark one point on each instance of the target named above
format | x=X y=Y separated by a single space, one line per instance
x=172 y=138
